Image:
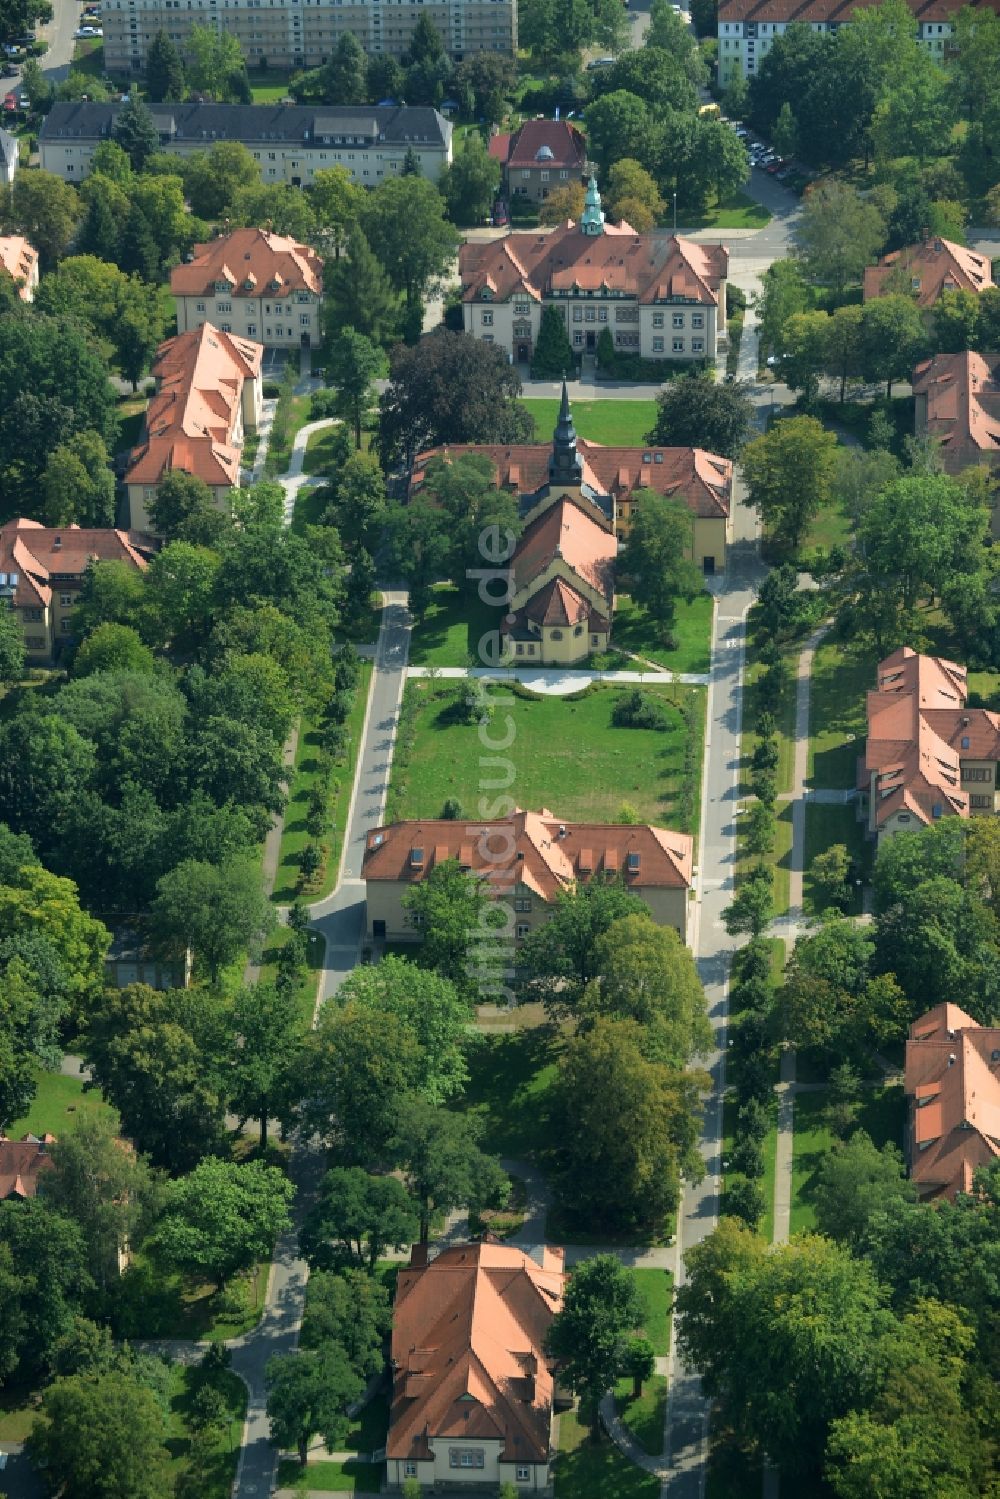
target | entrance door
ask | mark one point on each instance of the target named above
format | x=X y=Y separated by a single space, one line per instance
x=378 y=930
x=591 y=340
x=305 y=340
x=522 y=353
x=708 y=566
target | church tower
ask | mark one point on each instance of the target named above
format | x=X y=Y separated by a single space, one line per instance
x=565 y=465
x=592 y=218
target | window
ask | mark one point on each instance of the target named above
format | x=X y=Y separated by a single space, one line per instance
x=697 y=346
x=33 y=614
x=409 y=1470
x=557 y=634
x=578 y=314
x=590 y=315
x=466 y=1457
x=595 y=639
x=522 y=931
x=657 y=345
x=657 y=319
x=251 y=329
x=976 y=773
x=487 y=338
x=523 y=1473
x=965 y=741
x=602 y=314
x=519 y=649
x=980 y=800
x=64 y=627
x=304 y=319
x=677 y=321
x=677 y=346
x=578 y=338
x=199 y=307
x=697 y=320
x=487 y=320
x=65 y=600
x=522 y=903
x=35 y=642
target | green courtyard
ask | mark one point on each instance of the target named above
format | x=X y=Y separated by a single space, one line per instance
x=567 y=755
x=613 y=423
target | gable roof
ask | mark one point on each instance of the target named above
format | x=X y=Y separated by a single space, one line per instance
x=645 y=267
x=702 y=480
x=39 y=555
x=254 y=263
x=560 y=145
x=813 y=12
x=201 y=124
x=18 y=258
x=468 y=1351
x=953 y=1079
x=962 y=394
x=936 y=264
x=565 y=530
x=191 y=419
x=21 y=1163
x=920 y=729
x=534 y=849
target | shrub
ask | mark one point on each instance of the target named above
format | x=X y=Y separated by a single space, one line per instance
x=323 y=404
x=452 y=810
x=748 y=1158
x=753 y=1121
x=634 y=711
x=272 y=390
x=745 y=1200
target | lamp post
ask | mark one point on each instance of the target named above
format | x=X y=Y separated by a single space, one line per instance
x=675 y=213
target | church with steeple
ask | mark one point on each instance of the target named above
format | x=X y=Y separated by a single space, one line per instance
x=659 y=296
x=575 y=500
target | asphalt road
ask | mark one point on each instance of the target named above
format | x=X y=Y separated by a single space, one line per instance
x=59 y=35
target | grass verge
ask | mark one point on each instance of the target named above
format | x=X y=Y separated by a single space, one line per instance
x=645 y=1417
x=826 y=826
x=185 y=1384
x=332 y=1478
x=585 y=1470
x=655 y=1288
x=769 y=1151
x=837 y=725
x=692 y=631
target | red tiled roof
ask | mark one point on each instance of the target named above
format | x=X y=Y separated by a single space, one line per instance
x=702 y=480
x=953 y=1078
x=192 y=417
x=21 y=1163
x=937 y=265
x=534 y=849
x=499 y=147
x=647 y=267
x=39 y=553
x=564 y=529
x=963 y=406
x=254 y=256
x=567 y=145
x=834 y=11
x=557 y=604
x=468 y=1351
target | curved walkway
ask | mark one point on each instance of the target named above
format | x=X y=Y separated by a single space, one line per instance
x=294 y=479
x=555 y=683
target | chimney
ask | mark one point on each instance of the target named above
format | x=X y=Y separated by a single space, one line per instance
x=418 y=1257
x=952 y=1059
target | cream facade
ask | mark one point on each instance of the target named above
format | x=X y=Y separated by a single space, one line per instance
x=296 y=34
x=291 y=142
x=254 y=284
x=747 y=29
x=456 y=1465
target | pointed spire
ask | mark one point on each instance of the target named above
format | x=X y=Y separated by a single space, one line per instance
x=592 y=218
x=565 y=463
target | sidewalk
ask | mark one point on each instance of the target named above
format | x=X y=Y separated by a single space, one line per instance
x=558 y=683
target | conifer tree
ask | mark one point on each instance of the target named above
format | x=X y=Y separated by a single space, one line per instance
x=359 y=295
x=553 y=354
x=164 y=69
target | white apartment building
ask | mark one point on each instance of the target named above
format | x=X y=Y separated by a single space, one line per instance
x=303 y=33
x=258 y=285
x=292 y=142
x=747 y=28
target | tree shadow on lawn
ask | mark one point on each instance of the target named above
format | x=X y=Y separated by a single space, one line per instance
x=509 y=1078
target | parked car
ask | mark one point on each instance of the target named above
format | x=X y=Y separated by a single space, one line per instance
x=85 y=31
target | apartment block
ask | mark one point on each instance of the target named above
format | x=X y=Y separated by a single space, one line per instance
x=209 y=394
x=292 y=142
x=748 y=28
x=304 y=33
x=253 y=283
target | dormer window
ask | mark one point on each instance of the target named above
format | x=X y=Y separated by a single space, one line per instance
x=416 y=858
x=634 y=860
x=487 y=295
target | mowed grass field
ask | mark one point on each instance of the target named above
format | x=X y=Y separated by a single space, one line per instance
x=614 y=423
x=567 y=756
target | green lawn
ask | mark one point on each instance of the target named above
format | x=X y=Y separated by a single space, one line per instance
x=58 y=1102
x=655 y=1289
x=826 y=826
x=567 y=756
x=645 y=1417
x=293 y=835
x=185 y=1384
x=986 y=685
x=332 y=1478
x=451 y=629
x=509 y=1078
x=738 y=211
x=621 y=424
x=837 y=725
x=830 y=528
x=692 y=631
x=811 y=1143
x=17 y=1414
x=151 y=1304
x=585 y=1471
x=318 y=456
x=131 y=411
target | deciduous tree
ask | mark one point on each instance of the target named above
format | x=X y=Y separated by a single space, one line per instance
x=356 y=1218
x=589 y=1335
x=788 y=473
x=102 y=1438
x=695 y=412
x=657 y=558
x=222 y=1218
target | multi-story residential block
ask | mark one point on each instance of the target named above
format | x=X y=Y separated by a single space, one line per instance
x=540 y=157
x=289 y=34
x=957 y=403
x=20 y=260
x=928 y=754
x=952 y=1082
x=253 y=283
x=42 y=570
x=473 y=1390
x=209 y=394
x=527 y=859
x=748 y=28
x=659 y=296
x=594 y=490
x=292 y=142
x=926 y=270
